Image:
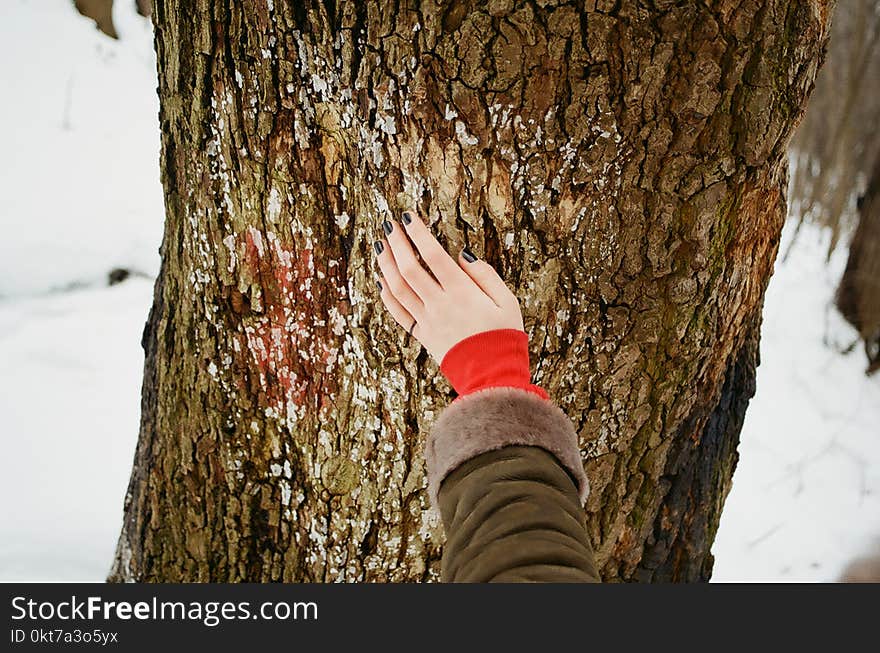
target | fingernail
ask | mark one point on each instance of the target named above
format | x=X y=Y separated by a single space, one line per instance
x=378 y=246
x=407 y=218
x=379 y=285
x=387 y=226
x=468 y=255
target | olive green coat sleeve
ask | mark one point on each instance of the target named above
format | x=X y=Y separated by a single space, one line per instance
x=505 y=472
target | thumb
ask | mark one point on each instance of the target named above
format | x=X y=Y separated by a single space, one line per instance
x=485 y=276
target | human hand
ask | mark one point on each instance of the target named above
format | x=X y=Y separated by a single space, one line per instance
x=464 y=297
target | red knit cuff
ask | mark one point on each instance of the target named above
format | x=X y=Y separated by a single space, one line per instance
x=496 y=358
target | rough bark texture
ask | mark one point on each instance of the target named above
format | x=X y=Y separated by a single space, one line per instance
x=622 y=164
x=858 y=296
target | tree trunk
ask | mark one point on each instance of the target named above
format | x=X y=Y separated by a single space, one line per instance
x=622 y=165
x=858 y=295
x=836 y=144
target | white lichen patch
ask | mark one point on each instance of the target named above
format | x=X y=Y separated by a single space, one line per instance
x=463 y=135
x=337 y=321
x=341 y=220
x=386 y=124
x=274 y=206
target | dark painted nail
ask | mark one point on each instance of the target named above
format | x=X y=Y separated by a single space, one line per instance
x=468 y=255
x=407 y=218
x=379 y=285
x=387 y=226
x=379 y=247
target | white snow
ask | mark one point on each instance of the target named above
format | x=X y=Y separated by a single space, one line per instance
x=69 y=399
x=80 y=147
x=80 y=182
x=806 y=492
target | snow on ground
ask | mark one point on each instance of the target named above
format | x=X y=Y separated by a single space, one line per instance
x=81 y=195
x=70 y=399
x=79 y=170
x=806 y=492
x=79 y=179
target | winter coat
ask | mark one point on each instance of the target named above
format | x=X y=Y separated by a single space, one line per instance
x=505 y=472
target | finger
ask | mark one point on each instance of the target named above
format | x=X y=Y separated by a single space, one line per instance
x=394 y=281
x=402 y=316
x=441 y=264
x=485 y=276
x=416 y=276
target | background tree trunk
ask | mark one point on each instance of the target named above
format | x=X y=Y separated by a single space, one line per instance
x=858 y=295
x=836 y=163
x=622 y=164
x=835 y=147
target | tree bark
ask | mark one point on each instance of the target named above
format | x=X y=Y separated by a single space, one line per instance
x=858 y=295
x=622 y=164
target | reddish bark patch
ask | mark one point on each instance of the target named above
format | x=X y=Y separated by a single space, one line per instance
x=288 y=344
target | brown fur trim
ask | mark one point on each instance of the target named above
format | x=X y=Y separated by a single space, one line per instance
x=498 y=417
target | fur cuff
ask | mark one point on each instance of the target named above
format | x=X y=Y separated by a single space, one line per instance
x=497 y=417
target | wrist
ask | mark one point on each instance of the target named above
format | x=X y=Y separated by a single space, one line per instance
x=494 y=358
